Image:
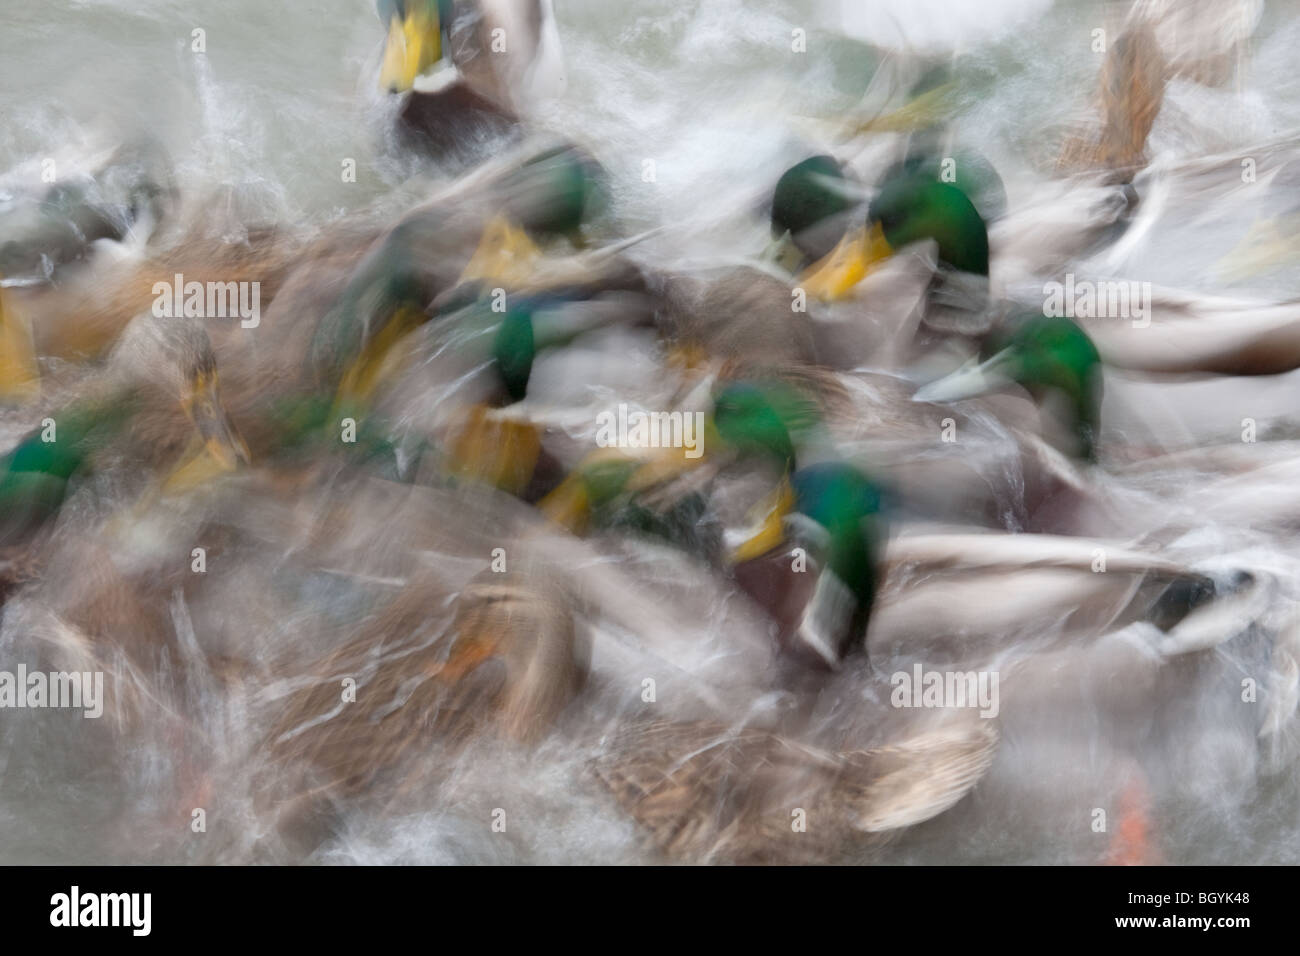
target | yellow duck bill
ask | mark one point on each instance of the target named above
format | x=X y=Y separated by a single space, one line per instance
x=220 y=438
x=414 y=44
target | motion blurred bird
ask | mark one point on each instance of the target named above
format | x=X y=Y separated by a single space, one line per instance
x=468 y=68
x=708 y=793
x=297 y=379
x=821 y=513
x=157 y=400
x=505 y=667
x=43 y=234
x=1049 y=355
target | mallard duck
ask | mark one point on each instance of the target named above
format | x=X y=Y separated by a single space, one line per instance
x=825 y=512
x=1085 y=587
x=475 y=648
x=158 y=393
x=467 y=68
x=832 y=512
x=129 y=190
x=299 y=373
x=709 y=793
x=512 y=303
x=491 y=444
x=812 y=205
x=510 y=662
x=1045 y=354
x=470 y=386
x=478 y=237
x=79 y=318
x=506 y=51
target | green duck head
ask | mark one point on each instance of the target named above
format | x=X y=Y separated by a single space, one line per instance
x=554 y=193
x=417 y=39
x=834 y=505
x=1044 y=354
x=913 y=205
x=514 y=349
x=812 y=204
x=835 y=494
x=533 y=324
x=34 y=474
x=846 y=504
x=834 y=514
x=968 y=169
x=761 y=420
x=155 y=361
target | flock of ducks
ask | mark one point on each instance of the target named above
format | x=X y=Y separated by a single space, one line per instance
x=344 y=561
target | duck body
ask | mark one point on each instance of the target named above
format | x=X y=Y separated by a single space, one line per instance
x=44 y=233
x=1048 y=355
x=813 y=563
x=510 y=664
x=679 y=781
x=438 y=259
x=34 y=474
x=157 y=400
x=454 y=123
x=818 y=583
x=467 y=70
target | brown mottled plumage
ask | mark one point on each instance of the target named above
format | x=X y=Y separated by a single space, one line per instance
x=708 y=793
x=508 y=663
x=1133 y=81
x=743 y=313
